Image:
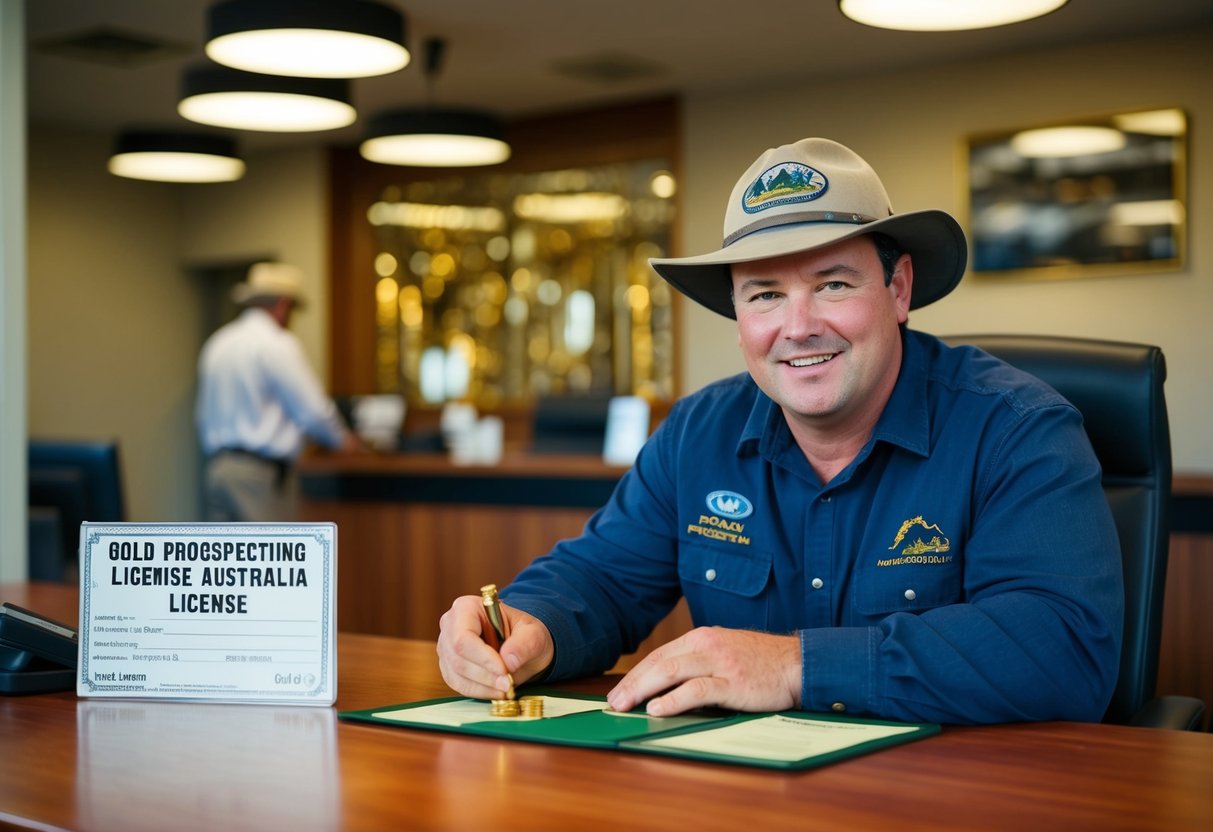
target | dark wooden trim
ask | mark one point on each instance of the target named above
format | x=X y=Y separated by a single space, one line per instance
x=1192 y=504
x=460 y=489
x=351 y=275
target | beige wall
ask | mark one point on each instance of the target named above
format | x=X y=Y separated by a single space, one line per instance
x=910 y=127
x=115 y=318
x=13 y=486
x=113 y=314
x=280 y=209
x=111 y=319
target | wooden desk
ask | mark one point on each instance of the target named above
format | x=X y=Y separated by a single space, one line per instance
x=107 y=765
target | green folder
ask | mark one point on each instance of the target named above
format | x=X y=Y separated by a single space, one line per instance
x=784 y=740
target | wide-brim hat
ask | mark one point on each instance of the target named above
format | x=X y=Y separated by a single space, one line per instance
x=270 y=280
x=810 y=194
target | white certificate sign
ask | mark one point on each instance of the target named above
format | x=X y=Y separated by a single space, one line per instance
x=234 y=613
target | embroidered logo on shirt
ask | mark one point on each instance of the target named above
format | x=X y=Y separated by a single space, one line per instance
x=729 y=504
x=728 y=508
x=929 y=544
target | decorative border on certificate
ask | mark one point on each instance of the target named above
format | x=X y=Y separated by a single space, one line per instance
x=240 y=612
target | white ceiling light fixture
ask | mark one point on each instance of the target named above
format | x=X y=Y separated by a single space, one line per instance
x=168 y=156
x=224 y=97
x=945 y=15
x=308 y=38
x=435 y=137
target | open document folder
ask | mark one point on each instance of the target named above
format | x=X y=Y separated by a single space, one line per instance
x=785 y=740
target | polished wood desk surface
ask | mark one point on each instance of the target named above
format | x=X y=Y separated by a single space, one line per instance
x=68 y=763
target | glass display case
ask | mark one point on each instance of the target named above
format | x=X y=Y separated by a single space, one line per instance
x=498 y=286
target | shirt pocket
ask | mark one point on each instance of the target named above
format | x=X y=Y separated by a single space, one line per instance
x=726 y=588
x=883 y=590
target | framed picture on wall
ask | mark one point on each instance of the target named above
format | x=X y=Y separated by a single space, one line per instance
x=1091 y=196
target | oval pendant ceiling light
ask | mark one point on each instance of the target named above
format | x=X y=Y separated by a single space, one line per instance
x=224 y=97
x=944 y=15
x=163 y=156
x=435 y=136
x=308 y=38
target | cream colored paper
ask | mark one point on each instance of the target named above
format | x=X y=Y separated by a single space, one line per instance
x=780 y=738
x=466 y=711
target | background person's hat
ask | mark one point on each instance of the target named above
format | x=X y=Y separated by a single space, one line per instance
x=270 y=280
x=810 y=194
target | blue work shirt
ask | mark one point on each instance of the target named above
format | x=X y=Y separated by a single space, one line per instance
x=963 y=568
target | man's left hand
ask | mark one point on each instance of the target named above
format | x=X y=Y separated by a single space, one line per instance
x=738 y=669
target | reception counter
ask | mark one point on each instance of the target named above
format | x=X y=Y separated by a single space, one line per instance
x=518 y=480
x=415 y=531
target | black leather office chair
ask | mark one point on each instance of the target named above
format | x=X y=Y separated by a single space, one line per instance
x=1118 y=387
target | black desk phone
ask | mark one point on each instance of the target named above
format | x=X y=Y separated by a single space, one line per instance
x=37 y=654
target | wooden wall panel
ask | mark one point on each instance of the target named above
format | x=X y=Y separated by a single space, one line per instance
x=1185 y=664
x=399 y=565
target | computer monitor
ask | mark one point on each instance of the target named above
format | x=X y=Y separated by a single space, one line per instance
x=94 y=463
x=58 y=504
x=574 y=424
x=69 y=481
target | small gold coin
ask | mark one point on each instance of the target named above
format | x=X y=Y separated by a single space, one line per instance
x=504 y=707
x=532 y=706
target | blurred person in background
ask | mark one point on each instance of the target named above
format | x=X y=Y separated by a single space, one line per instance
x=259 y=402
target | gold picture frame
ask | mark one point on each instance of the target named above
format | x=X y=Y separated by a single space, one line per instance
x=1099 y=195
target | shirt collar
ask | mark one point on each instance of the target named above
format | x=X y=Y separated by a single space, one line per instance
x=903 y=422
x=765 y=420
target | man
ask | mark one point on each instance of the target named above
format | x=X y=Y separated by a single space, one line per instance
x=258 y=400
x=866 y=522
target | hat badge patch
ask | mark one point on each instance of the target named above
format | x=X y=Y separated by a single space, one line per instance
x=785 y=183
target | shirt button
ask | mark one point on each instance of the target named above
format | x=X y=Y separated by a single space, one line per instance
x=818 y=583
x=710 y=574
x=911 y=595
x=838 y=706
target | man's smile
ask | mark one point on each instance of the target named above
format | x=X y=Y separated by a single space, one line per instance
x=809 y=361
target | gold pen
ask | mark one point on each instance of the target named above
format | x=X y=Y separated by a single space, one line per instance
x=499 y=629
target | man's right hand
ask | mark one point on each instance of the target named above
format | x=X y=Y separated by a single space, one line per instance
x=474 y=669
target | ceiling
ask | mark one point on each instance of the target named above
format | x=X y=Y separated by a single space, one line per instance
x=525 y=57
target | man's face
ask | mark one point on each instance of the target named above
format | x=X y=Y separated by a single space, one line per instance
x=819 y=331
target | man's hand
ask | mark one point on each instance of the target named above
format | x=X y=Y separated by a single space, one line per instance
x=736 y=669
x=474 y=669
